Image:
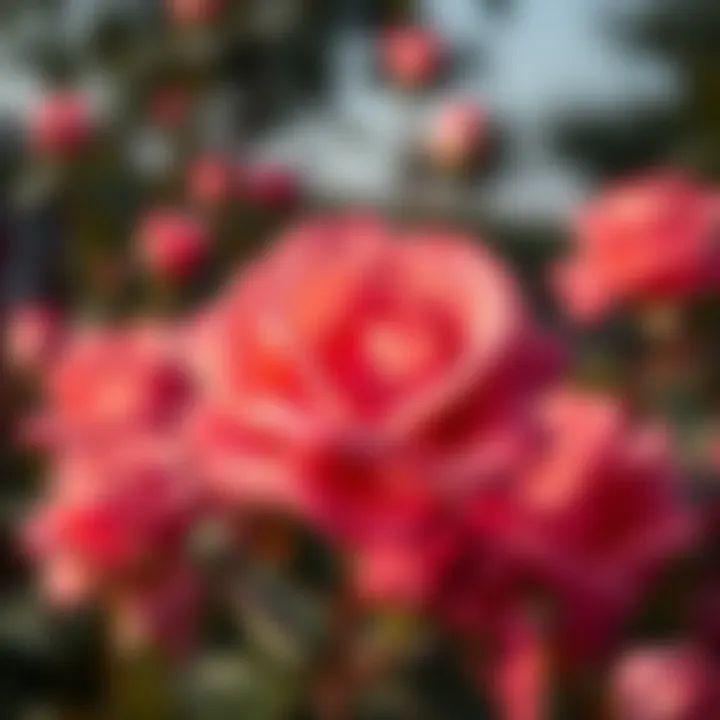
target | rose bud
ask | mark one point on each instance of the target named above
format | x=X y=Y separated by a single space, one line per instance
x=457 y=137
x=194 y=12
x=173 y=245
x=412 y=57
x=210 y=182
x=32 y=337
x=271 y=187
x=62 y=126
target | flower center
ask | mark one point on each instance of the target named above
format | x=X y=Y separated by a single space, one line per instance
x=398 y=352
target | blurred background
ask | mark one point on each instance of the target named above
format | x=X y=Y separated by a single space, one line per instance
x=573 y=94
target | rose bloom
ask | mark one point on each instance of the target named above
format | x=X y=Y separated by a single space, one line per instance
x=458 y=136
x=62 y=126
x=109 y=382
x=646 y=241
x=412 y=56
x=358 y=374
x=114 y=527
x=194 y=12
x=671 y=682
x=211 y=182
x=173 y=245
x=596 y=515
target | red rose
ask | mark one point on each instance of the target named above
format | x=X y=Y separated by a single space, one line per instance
x=363 y=373
x=62 y=125
x=458 y=136
x=412 y=56
x=644 y=241
x=173 y=245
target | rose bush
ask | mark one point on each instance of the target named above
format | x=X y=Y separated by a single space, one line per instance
x=390 y=391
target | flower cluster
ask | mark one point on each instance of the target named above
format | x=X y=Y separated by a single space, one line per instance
x=121 y=498
x=392 y=390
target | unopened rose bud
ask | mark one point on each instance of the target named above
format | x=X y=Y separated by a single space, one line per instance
x=412 y=57
x=62 y=126
x=173 y=245
x=458 y=137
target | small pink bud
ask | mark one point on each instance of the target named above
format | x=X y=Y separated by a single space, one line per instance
x=412 y=56
x=458 y=136
x=173 y=245
x=62 y=126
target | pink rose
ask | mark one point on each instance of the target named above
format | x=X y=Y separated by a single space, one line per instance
x=458 y=136
x=108 y=383
x=644 y=241
x=115 y=526
x=361 y=373
x=412 y=56
x=62 y=126
x=674 y=682
x=138 y=505
x=599 y=515
x=578 y=539
x=173 y=245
